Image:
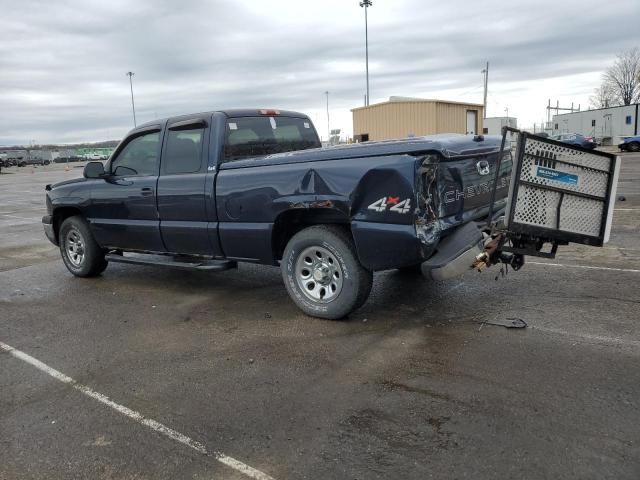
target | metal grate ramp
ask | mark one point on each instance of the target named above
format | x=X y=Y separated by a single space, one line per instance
x=561 y=193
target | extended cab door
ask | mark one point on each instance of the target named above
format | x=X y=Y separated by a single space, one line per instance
x=123 y=212
x=184 y=188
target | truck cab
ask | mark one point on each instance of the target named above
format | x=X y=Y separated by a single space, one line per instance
x=157 y=191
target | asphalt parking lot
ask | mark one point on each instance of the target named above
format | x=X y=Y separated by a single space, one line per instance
x=416 y=384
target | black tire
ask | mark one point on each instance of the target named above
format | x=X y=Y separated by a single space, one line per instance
x=634 y=147
x=356 y=281
x=46 y=162
x=88 y=259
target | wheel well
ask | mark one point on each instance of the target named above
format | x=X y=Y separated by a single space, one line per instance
x=60 y=215
x=289 y=223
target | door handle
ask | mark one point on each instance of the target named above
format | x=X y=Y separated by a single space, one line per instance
x=146 y=191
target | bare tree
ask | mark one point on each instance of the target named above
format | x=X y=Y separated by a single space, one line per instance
x=604 y=96
x=624 y=77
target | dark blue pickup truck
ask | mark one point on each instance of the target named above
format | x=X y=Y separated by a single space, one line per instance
x=208 y=190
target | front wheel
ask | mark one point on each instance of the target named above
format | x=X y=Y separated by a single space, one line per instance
x=322 y=272
x=80 y=252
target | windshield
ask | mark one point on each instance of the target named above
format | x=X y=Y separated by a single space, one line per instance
x=256 y=136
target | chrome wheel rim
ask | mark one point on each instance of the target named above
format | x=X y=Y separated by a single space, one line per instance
x=319 y=274
x=74 y=246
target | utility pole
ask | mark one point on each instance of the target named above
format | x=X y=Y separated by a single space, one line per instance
x=558 y=109
x=486 y=84
x=133 y=105
x=328 y=129
x=366 y=4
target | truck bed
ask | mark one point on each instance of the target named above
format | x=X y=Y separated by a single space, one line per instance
x=450 y=146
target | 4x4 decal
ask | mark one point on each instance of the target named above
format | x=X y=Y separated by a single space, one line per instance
x=394 y=204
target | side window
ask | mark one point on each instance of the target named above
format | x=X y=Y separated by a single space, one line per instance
x=138 y=157
x=627 y=120
x=184 y=151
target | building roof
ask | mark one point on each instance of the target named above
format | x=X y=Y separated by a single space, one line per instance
x=596 y=109
x=397 y=99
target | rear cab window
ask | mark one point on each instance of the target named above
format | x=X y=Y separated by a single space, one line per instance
x=247 y=137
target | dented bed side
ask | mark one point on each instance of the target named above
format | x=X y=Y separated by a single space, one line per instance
x=398 y=205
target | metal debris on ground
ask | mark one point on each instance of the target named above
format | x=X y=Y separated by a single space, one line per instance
x=509 y=322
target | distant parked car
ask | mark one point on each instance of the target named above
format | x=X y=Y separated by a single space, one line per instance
x=16 y=161
x=33 y=161
x=68 y=159
x=576 y=139
x=630 y=144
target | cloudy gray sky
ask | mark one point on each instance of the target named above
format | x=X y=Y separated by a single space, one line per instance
x=63 y=63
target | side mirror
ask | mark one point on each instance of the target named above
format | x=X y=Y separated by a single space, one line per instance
x=93 y=170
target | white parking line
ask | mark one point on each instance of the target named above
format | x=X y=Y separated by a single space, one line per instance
x=138 y=417
x=15 y=216
x=591 y=338
x=585 y=266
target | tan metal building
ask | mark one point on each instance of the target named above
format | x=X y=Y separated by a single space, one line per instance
x=402 y=117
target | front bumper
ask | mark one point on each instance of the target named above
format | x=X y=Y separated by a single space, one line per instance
x=47 y=224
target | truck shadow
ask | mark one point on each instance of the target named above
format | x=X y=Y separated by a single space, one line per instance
x=397 y=299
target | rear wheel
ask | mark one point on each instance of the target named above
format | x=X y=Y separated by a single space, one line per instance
x=81 y=254
x=634 y=147
x=322 y=272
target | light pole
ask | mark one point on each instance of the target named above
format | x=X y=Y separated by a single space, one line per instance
x=133 y=105
x=328 y=129
x=486 y=83
x=366 y=4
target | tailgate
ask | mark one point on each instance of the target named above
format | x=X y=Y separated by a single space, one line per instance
x=465 y=185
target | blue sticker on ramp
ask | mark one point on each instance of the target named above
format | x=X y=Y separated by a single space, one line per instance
x=557 y=175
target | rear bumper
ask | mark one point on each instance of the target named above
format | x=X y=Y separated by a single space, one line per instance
x=47 y=224
x=455 y=253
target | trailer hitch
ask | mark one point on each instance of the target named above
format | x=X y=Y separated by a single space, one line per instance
x=493 y=254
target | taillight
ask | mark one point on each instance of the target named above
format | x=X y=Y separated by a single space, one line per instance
x=265 y=111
